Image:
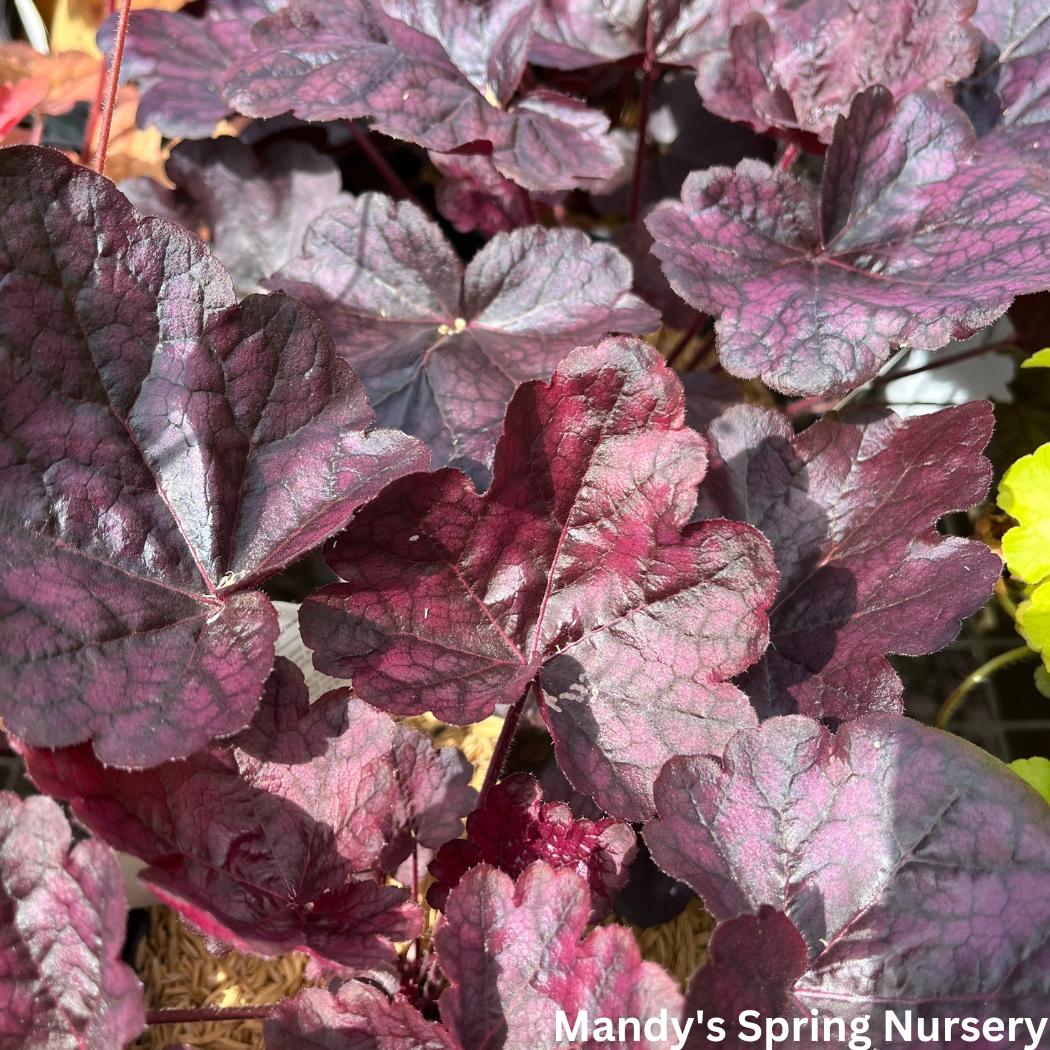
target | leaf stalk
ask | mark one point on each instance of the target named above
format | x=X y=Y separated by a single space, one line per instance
x=985 y=671
x=196 y=1015
x=111 y=86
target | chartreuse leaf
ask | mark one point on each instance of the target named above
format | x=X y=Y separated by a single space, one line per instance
x=1039 y=360
x=1035 y=771
x=1025 y=495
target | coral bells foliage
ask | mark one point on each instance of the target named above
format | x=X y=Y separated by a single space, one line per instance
x=527 y=513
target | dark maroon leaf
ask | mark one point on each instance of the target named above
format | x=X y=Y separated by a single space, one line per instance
x=573 y=574
x=256 y=204
x=796 y=66
x=62 y=984
x=514 y=957
x=432 y=795
x=441 y=350
x=915 y=240
x=1019 y=31
x=707 y=396
x=440 y=75
x=179 y=61
x=267 y=844
x=357 y=1017
x=513 y=828
x=754 y=962
x=850 y=510
x=915 y=867
x=162 y=451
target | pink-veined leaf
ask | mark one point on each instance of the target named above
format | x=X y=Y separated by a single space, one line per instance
x=915 y=240
x=574 y=574
x=256 y=203
x=513 y=954
x=918 y=870
x=439 y=349
x=270 y=842
x=163 y=451
x=795 y=67
x=62 y=984
x=850 y=510
x=514 y=827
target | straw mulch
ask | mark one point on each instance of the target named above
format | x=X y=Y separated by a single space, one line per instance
x=179 y=972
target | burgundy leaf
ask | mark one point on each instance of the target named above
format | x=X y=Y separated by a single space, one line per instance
x=915 y=240
x=255 y=203
x=851 y=511
x=179 y=61
x=915 y=867
x=441 y=350
x=575 y=573
x=441 y=75
x=357 y=1017
x=267 y=844
x=513 y=954
x=796 y=67
x=707 y=396
x=571 y=34
x=62 y=984
x=432 y=795
x=514 y=828
x=753 y=964
x=162 y=451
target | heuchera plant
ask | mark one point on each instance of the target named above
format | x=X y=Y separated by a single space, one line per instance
x=523 y=510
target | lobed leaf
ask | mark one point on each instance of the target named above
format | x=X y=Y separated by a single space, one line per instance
x=441 y=350
x=916 y=239
x=850 y=510
x=269 y=842
x=513 y=827
x=163 y=450
x=62 y=983
x=575 y=575
x=513 y=955
x=914 y=865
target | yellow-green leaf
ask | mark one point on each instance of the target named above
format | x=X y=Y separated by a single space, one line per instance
x=1040 y=359
x=1035 y=771
x=1025 y=495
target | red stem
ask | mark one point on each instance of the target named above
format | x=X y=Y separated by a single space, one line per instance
x=208 y=1013
x=790 y=153
x=380 y=163
x=502 y=748
x=701 y=320
x=111 y=86
x=92 y=121
x=526 y=205
x=648 y=70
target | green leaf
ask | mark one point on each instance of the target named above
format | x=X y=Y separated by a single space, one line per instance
x=1034 y=771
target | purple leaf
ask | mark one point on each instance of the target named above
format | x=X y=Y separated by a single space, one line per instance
x=441 y=350
x=268 y=843
x=914 y=240
x=850 y=511
x=795 y=67
x=915 y=867
x=514 y=828
x=574 y=574
x=513 y=954
x=707 y=396
x=62 y=984
x=179 y=61
x=162 y=451
x=572 y=34
x=432 y=795
x=256 y=203
x=357 y=1017
x=440 y=75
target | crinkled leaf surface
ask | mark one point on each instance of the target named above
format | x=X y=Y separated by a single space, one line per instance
x=441 y=350
x=256 y=202
x=513 y=954
x=357 y=1017
x=179 y=61
x=514 y=827
x=795 y=67
x=267 y=844
x=850 y=510
x=575 y=573
x=62 y=984
x=571 y=34
x=915 y=866
x=441 y=75
x=914 y=240
x=162 y=450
